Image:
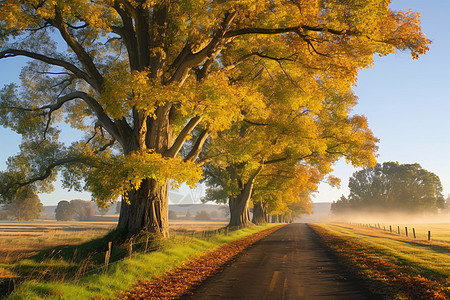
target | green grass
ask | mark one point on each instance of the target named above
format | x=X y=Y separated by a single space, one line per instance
x=431 y=260
x=121 y=274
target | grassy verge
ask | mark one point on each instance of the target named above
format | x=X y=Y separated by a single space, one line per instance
x=121 y=274
x=404 y=269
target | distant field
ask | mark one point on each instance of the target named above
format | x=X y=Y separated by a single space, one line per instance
x=182 y=225
x=24 y=239
x=411 y=268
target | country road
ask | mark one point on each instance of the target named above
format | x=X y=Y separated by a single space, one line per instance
x=291 y=263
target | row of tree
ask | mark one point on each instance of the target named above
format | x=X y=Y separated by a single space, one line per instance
x=252 y=96
x=74 y=209
x=392 y=187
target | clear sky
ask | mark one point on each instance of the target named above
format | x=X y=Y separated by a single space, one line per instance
x=406 y=102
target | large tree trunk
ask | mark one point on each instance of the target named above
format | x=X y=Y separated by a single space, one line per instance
x=147 y=211
x=239 y=212
x=260 y=213
x=148 y=207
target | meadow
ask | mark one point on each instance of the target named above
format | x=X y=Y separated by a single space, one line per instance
x=24 y=239
x=71 y=262
x=406 y=267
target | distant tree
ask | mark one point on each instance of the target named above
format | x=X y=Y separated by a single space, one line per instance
x=447 y=203
x=172 y=214
x=83 y=210
x=64 y=211
x=393 y=187
x=188 y=214
x=202 y=216
x=103 y=210
x=25 y=205
x=340 y=205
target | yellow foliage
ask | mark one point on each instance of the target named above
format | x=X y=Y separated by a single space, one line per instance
x=115 y=176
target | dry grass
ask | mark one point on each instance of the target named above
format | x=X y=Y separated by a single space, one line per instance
x=187 y=225
x=19 y=240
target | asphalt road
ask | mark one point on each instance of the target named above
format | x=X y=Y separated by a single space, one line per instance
x=291 y=263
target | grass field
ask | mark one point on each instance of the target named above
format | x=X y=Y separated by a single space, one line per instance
x=440 y=232
x=19 y=240
x=67 y=259
x=24 y=239
x=79 y=272
x=410 y=268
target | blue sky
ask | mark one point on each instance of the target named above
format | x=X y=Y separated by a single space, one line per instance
x=406 y=102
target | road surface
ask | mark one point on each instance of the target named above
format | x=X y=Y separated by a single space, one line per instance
x=291 y=263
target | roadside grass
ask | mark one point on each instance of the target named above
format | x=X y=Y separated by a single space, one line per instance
x=407 y=268
x=79 y=272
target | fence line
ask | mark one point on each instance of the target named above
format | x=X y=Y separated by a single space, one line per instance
x=377 y=226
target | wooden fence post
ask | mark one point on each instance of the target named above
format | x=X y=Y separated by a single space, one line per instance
x=398 y=227
x=414 y=232
x=390 y=228
x=130 y=247
x=108 y=255
x=406 y=231
x=146 y=244
x=429 y=235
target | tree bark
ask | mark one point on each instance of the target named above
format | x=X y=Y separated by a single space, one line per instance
x=147 y=210
x=239 y=211
x=148 y=207
x=260 y=213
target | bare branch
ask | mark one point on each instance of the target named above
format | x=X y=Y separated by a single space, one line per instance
x=289 y=58
x=106 y=146
x=197 y=148
x=17 y=108
x=77 y=27
x=42 y=176
x=49 y=60
x=83 y=56
x=91 y=138
x=189 y=60
x=296 y=29
x=181 y=138
x=255 y=123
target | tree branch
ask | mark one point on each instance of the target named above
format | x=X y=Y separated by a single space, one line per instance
x=49 y=60
x=197 y=148
x=44 y=174
x=181 y=138
x=83 y=56
x=102 y=117
x=191 y=60
x=296 y=29
x=255 y=123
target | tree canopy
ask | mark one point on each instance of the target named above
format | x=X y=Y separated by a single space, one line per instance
x=393 y=187
x=64 y=211
x=25 y=205
x=150 y=82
